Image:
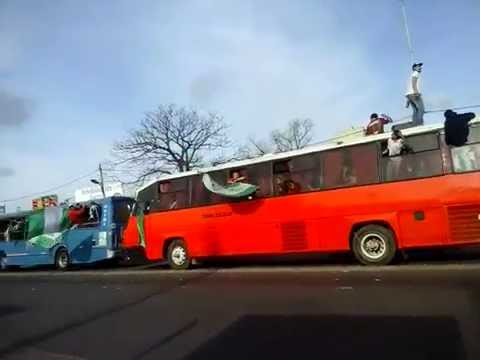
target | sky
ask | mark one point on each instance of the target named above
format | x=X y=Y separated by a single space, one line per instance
x=75 y=76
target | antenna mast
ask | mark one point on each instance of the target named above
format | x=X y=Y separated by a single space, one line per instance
x=407 y=31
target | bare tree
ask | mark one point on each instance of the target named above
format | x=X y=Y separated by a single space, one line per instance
x=171 y=139
x=297 y=135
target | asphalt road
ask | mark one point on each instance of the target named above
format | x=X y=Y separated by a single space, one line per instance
x=415 y=311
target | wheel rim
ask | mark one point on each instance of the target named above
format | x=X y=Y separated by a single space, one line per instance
x=179 y=255
x=373 y=246
x=63 y=259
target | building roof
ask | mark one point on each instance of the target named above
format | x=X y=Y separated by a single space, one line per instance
x=322 y=146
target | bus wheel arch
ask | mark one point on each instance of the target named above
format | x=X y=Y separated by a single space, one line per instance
x=62 y=258
x=373 y=242
x=175 y=250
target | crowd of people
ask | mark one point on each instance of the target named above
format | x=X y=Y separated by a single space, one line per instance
x=456 y=125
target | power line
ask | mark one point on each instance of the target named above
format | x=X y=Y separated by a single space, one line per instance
x=23 y=197
x=453 y=108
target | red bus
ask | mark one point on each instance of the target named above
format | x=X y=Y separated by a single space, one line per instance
x=347 y=197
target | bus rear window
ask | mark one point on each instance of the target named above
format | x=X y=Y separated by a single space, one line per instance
x=122 y=211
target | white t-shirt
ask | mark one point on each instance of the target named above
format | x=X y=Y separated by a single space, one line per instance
x=415 y=75
x=394 y=147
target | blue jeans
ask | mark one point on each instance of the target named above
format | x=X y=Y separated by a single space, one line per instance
x=418 y=109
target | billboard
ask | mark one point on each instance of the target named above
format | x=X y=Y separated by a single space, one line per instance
x=94 y=192
x=44 y=202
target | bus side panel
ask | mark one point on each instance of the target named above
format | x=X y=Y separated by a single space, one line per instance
x=253 y=228
x=79 y=243
x=423 y=227
x=130 y=236
x=152 y=227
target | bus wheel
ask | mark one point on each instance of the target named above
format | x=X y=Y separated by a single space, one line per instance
x=374 y=245
x=177 y=255
x=62 y=260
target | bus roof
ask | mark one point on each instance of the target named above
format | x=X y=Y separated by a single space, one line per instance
x=325 y=145
x=19 y=214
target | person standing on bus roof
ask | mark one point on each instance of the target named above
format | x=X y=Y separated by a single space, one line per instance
x=377 y=123
x=414 y=98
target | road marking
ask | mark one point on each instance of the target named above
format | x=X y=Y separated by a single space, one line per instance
x=352 y=269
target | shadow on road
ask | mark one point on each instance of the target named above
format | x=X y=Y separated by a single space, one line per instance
x=336 y=337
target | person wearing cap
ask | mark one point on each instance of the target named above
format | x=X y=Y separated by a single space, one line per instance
x=414 y=98
x=377 y=123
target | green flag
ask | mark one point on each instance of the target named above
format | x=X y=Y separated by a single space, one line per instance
x=45 y=227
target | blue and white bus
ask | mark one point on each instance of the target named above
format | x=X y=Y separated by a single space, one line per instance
x=84 y=234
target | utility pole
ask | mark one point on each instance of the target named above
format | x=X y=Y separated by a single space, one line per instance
x=102 y=185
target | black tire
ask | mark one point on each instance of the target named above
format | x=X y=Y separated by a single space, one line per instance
x=62 y=259
x=177 y=255
x=374 y=245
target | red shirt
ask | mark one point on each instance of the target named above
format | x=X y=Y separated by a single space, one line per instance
x=77 y=216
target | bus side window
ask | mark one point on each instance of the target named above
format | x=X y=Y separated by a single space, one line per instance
x=172 y=194
x=93 y=214
x=199 y=193
x=467 y=158
x=260 y=175
x=356 y=165
x=474 y=134
x=423 y=160
x=306 y=170
x=284 y=184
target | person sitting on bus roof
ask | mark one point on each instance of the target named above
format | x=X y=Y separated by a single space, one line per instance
x=377 y=124
x=236 y=177
x=456 y=127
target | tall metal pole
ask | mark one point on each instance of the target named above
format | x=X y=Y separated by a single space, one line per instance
x=407 y=31
x=102 y=185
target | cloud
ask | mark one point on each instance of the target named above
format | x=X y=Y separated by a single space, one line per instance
x=14 y=110
x=6 y=172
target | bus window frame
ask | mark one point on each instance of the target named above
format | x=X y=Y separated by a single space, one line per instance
x=438 y=149
x=468 y=143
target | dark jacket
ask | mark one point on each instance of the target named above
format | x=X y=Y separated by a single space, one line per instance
x=456 y=127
